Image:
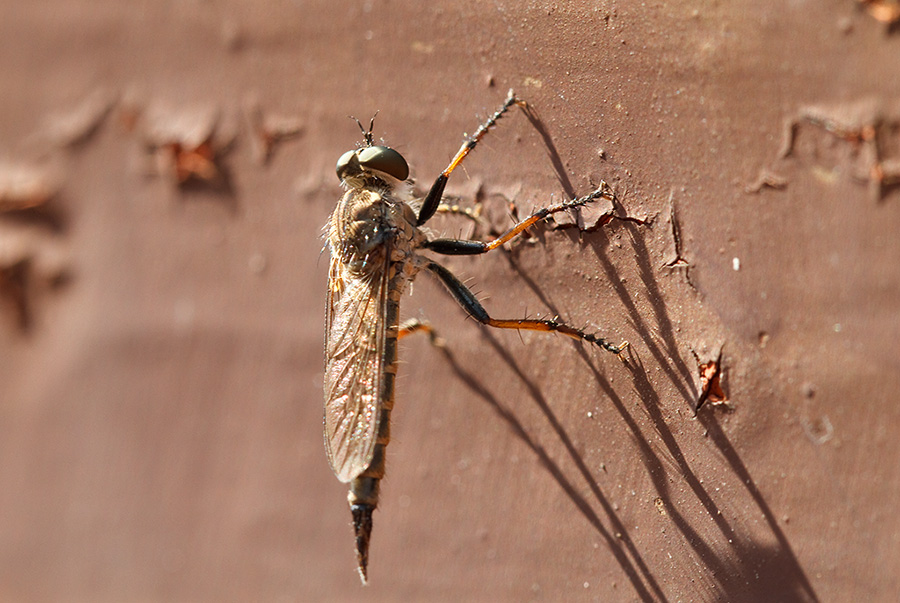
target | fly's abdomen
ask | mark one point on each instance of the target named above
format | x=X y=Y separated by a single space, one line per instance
x=364 y=489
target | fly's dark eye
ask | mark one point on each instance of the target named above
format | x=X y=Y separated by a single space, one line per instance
x=383 y=159
x=348 y=162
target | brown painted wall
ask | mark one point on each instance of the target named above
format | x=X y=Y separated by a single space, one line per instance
x=160 y=344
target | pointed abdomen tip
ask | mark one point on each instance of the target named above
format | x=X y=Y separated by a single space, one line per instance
x=362 y=527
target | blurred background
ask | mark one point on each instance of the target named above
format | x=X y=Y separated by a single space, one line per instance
x=167 y=167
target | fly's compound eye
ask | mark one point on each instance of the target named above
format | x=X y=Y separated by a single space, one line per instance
x=382 y=159
x=347 y=164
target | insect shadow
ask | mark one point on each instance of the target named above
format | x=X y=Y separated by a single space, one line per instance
x=751 y=569
x=616 y=535
x=775 y=569
x=760 y=570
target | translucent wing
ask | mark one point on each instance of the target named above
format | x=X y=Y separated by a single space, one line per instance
x=354 y=356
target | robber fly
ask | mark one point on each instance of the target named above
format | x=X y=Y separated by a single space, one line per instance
x=375 y=238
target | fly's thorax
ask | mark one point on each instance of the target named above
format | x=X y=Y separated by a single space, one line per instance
x=367 y=222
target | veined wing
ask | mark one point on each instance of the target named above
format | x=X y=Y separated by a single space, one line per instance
x=354 y=365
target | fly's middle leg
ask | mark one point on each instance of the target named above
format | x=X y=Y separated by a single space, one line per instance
x=468 y=247
x=473 y=307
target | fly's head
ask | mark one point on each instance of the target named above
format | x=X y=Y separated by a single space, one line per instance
x=370 y=165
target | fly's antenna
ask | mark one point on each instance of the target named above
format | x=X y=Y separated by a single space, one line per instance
x=367 y=134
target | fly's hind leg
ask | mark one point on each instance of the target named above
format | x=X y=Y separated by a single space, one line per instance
x=473 y=307
x=414 y=325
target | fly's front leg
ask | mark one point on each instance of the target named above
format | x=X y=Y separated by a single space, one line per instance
x=467 y=247
x=473 y=307
x=433 y=199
